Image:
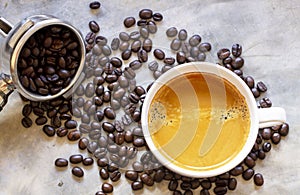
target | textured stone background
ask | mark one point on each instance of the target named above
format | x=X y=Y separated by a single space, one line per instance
x=269 y=33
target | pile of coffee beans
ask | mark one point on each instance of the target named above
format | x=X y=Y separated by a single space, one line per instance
x=49 y=60
x=105 y=111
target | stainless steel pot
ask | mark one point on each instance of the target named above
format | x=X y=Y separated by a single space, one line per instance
x=15 y=38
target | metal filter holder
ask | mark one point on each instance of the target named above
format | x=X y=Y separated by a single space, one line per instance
x=16 y=37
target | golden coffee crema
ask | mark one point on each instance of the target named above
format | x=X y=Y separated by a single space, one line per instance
x=199 y=121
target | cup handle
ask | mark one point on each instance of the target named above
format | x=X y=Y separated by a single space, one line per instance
x=271 y=116
x=5 y=27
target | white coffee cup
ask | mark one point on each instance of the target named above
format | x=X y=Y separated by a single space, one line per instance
x=259 y=117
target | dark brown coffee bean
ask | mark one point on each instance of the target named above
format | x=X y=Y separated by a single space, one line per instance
x=95 y=5
x=136 y=46
x=261 y=86
x=49 y=130
x=284 y=130
x=258 y=179
x=152 y=27
x=126 y=54
x=157 y=17
x=169 y=60
x=77 y=171
x=116 y=62
x=136 y=64
x=159 y=54
x=131 y=175
x=83 y=143
x=223 y=53
x=137 y=185
x=195 y=40
x=61 y=162
x=135 y=35
x=115 y=43
x=236 y=50
x=220 y=190
x=136 y=116
x=276 y=137
x=266 y=133
x=145 y=14
x=180 y=57
x=41 y=120
x=237 y=171
x=182 y=34
x=237 y=63
x=232 y=184
x=142 y=56
x=27 y=109
x=100 y=193
x=61 y=131
x=129 y=73
x=104 y=173
x=74 y=135
x=94 y=27
x=249 y=162
x=129 y=22
x=147 y=179
x=109 y=113
x=108 y=127
x=71 y=124
x=205 y=184
x=247 y=174
x=88 y=161
x=124 y=36
x=76 y=158
x=142 y=22
x=204 y=192
x=115 y=176
x=102 y=162
x=173 y=184
x=249 y=81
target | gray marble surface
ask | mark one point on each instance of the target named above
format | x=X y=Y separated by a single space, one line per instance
x=269 y=33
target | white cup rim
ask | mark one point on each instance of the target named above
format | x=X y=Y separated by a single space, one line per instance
x=203 y=67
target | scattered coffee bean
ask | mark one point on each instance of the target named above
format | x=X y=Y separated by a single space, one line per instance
x=182 y=35
x=115 y=176
x=204 y=192
x=83 y=143
x=145 y=14
x=175 y=44
x=195 y=40
x=135 y=35
x=76 y=158
x=104 y=173
x=173 y=184
x=115 y=43
x=261 y=86
x=237 y=63
x=223 y=53
x=237 y=171
x=61 y=162
x=236 y=50
x=258 y=179
x=71 y=124
x=159 y=54
x=77 y=171
x=74 y=135
x=157 y=17
x=95 y=5
x=247 y=174
x=136 y=64
x=220 y=190
x=266 y=133
x=276 y=137
x=109 y=113
x=205 y=47
x=284 y=130
x=88 y=161
x=137 y=185
x=94 y=27
x=249 y=162
x=49 y=130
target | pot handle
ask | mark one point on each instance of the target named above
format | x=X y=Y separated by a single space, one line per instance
x=6 y=88
x=271 y=116
x=5 y=27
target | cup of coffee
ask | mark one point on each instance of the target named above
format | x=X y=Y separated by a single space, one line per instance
x=201 y=120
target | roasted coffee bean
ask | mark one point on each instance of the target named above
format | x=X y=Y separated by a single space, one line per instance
x=106 y=50
x=76 y=158
x=137 y=185
x=236 y=50
x=182 y=34
x=180 y=57
x=255 y=92
x=144 y=32
x=126 y=54
x=284 y=130
x=261 y=154
x=276 y=137
x=100 y=193
x=232 y=184
x=102 y=162
x=248 y=174
x=115 y=43
x=94 y=27
x=266 y=133
x=124 y=46
x=83 y=143
x=249 y=162
x=265 y=102
x=80 y=90
x=74 y=135
x=195 y=40
x=237 y=63
x=173 y=184
x=124 y=36
x=119 y=93
x=258 y=179
x=61 y=162
x=115 y=176
x=136 y=116
x=157 y=74
x=237 y=171
x=95 y=5
x=157 y=17
x=106 y=96
x=38 y=111
x=171 y=32
x=220 y=190
x=204 y=192
x=88 y=161
x=129 y=22
x=136 y=46
x=131 y=175
x=152 y=27
x=108 y=127
x=135 y=35
x=101 y=41
x=159 y=54
x=111 y=78
x=49 y=130
x=116 y=62
x=139 y=90
x=89 y=90
x=261 y=86
x=41 y=120
x=120 y=138
x=223 y=53
x=71 y=124
x=77 y=171
x=253 y=155
x=128 y=136
x=142 y=22
x=194 y=52
x=147 y=179
x=104 y=173
x=145 y=14
x=136 y=64
x=129 y=73
x=27 y=109
x=205 y=184
x=112 y=167
x=134 y=98
x=227 y=60
x=169 y=60
x=249 y=81
x=109 y=113
x=61 y=131
x=142 y=56
x=175 y=44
